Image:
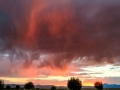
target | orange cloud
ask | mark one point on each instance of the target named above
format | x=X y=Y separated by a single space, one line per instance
x=30 y=72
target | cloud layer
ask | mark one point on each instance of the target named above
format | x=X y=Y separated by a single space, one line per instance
x=54 y=33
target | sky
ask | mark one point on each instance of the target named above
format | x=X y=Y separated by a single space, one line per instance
x=49 y=41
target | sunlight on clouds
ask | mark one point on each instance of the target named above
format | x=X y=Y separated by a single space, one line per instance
x=103 y=71
x=53 y=40
x=59 y=78
x=14 y=80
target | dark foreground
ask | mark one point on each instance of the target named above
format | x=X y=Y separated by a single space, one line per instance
x=67 y=89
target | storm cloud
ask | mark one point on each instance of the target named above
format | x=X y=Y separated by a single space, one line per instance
x=55 y=33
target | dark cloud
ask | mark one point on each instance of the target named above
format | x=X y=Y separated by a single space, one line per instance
x=7 y=32
x=63 y=30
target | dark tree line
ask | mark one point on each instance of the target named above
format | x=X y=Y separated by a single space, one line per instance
x=29 y=85
x=53 y=88
x=98 y=85
x=1 y=85
x=76 y=84
x=73 y=84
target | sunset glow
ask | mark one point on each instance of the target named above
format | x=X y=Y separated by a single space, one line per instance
x=50 y=41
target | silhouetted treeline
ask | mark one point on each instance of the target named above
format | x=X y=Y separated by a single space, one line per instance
x=73 y=84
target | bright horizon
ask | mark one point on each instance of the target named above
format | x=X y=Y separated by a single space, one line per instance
x=57 y=80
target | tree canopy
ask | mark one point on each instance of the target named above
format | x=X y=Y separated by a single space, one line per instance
x=1 y=85
x=53 y=88
x=8 y=87
x=17 y=87
x=74 y=84
x=29 y=85
x=98 y=85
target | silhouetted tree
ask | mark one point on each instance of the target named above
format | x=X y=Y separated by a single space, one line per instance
x=8 y=87
x=29 y=85
x=53 y=88
x=74 y=84
x=17 y=87
x=98 y=85
x=37 y=89
x=1 y=85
